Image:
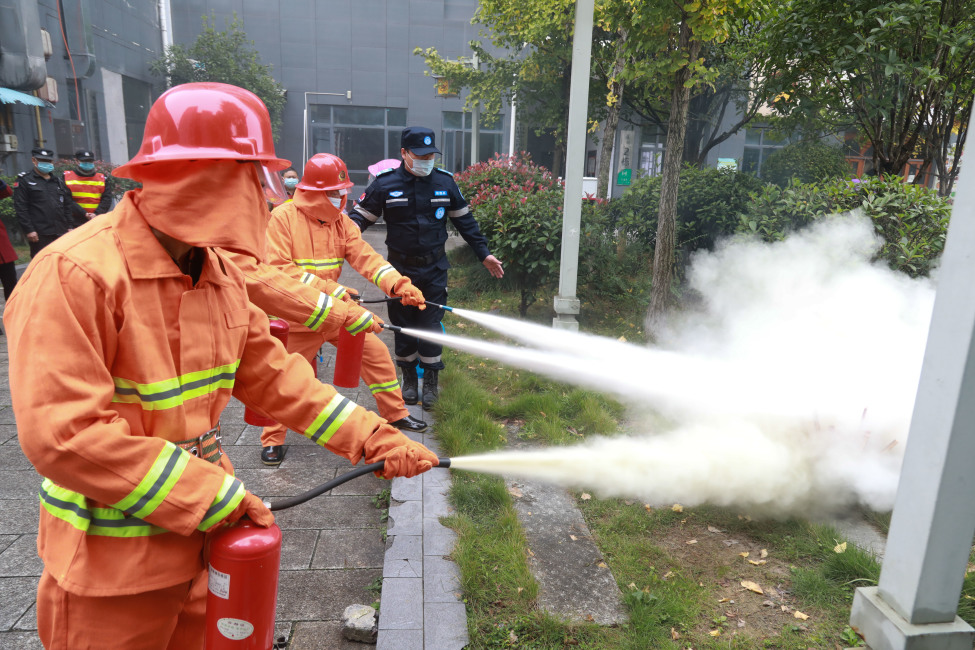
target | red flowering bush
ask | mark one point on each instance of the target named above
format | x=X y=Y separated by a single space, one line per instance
x=518 y=206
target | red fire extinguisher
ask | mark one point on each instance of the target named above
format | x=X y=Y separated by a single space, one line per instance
x=348 y=359
x=242 y=589
x=279 y=330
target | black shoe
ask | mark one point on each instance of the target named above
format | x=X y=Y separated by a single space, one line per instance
x=410 y=423
x=430 y=389
x=272 y=455
x=410 y=395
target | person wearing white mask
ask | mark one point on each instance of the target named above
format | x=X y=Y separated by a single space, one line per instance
x=414 y=198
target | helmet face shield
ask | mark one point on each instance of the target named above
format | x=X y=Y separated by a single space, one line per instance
x=273 y=186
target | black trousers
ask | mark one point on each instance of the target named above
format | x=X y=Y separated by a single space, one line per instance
x=432 y=281
x=8 y=276
x=42 y=241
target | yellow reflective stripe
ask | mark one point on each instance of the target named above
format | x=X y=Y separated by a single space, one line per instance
x=336 y=412
x=378 y=276
x=80 y=182
x=314 y=265
x=158 y=482
x=361 y=324
x=384 y=387
x=321 y=311
x=170 y=393
x=71 y=507
x=229 y=496
x=338 y=291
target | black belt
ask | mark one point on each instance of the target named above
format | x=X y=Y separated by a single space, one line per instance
x=414 y=260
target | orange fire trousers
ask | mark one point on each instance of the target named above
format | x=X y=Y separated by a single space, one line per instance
x=378 y=372
x=166 y=619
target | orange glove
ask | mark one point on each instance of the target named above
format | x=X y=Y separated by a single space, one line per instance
x=358 y=319
x=409 y=294
x=404 y=457
x=252 y=507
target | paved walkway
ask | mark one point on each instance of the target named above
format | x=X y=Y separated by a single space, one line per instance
x=333 y=553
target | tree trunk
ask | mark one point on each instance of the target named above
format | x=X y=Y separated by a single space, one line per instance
x=609 y=137
x=663 y=253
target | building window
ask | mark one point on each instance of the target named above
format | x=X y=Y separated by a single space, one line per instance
x=137 y=98
x=359 y=135
x=652 y=151
x=456 y=140
x=759 y=143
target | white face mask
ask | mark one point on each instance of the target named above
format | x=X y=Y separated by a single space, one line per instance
x=422 y=167
x=337 y=201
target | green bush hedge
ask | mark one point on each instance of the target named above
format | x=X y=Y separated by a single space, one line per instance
x=807 y=162
x=912 y=220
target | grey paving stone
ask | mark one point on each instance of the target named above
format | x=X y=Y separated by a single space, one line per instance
x=297 y=549
x=436 y=477
x=441 y=580
x=28 y=621
x=19 y=595
x=323 y=595
x=330 y=512
x=12 y=457
x=401 y=605
x=368 y=484
x=445 y=626
x=7 y=412
x=8 y=435
x=405 y=518
x=400 y=640
x=404 y=557
x=408 y=489
x=284 y=481
x=325 y=635
x=20 y=641
x=435 y=502
x=20 y=558
x=437 y=538
x=357 y=548
x=19 y=516
x=19 y=483
x=7 y=540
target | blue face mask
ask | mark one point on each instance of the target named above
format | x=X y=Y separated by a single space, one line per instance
x=45 y=167
x=86 y=167
x=291 y=183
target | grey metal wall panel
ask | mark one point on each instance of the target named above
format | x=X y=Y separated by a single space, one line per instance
x=426 y=12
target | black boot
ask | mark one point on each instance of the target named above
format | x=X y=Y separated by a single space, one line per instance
x=410 y=380
x=430 y=389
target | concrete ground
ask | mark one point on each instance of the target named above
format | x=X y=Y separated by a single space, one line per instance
x=333 y=553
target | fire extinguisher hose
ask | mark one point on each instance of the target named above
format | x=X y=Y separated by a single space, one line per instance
x=335 y=482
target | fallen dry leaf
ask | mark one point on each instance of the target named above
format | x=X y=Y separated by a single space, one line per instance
x=678 y=508
x=768 y=603
x=712 y=529
x=515 y=492
x=764 y=553
x=632 y=586
x=741 y=622
x=520 y=589
x=667 y=575
x=724 y=600
x=573 y=537
x=839 y=548
x=757 y=562
x=585 y=496
x=512 y=637
x=751 y=586
x=691 y=541
x=646 y=506
x=530 y=554
x=800 y=615
x=744 y=554
x=602 y=565
x=715 y=632
x=784 y=608
x=628 y=502
x=674 y=634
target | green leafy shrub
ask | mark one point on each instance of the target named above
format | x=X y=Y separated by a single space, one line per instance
x=518 y=206
x=807 y=162
x=912 y=220
x=9 y=218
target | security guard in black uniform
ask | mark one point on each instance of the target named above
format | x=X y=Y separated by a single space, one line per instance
x=414 y=199
x=43 y=203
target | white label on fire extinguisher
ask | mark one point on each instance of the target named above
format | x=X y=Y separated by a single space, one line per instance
x=219 y=583
x=234 y=628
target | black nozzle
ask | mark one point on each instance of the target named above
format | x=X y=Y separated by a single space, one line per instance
x=392 y=328
x=444 y=462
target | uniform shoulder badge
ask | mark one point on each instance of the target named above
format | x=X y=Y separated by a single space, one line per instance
x=442 y=171
x=21 y=174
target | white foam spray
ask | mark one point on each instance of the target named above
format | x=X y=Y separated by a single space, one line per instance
x=789 y=388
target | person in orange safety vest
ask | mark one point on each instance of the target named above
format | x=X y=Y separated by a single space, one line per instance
x=91 y=190
x=309 y=238
x=126 y=341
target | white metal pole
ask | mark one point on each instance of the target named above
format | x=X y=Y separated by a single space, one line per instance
x=914 y=605
x=566 y=302
x=475 y=120
x=511 y=136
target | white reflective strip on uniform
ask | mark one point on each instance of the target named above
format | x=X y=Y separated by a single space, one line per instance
x=458 y=213
x=439 y=200
x=430 y=360
x=412 y=357
x=403 y=200
x=365 y=213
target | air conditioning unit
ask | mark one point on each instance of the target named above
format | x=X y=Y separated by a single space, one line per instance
x=49 y=90
x=46 y=44
x=8 y=143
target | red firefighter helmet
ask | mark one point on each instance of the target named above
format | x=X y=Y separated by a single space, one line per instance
x=325 y=172
x=206 y=121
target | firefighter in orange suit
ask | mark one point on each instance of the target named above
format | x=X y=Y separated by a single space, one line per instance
x=126 y=343
x=91 y=190
x=309 y=238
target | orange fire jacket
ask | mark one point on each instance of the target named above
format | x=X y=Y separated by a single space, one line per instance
x=313 y=251
x=114 y=356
